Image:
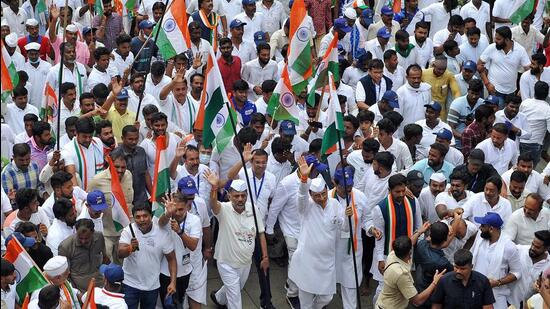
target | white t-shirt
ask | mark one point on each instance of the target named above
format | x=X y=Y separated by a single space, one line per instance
x=142 y=267
x=503 y=68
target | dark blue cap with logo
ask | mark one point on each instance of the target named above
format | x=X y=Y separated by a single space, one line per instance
x=96 y=200
x=311 y=159
x=470 y=65
x=145 y=24
x=236 y=23
x=386 y=10
x=492 y=100
x=123 y=95
x=384 y=33
x=342 y=25
x=445 y=134
x=368 y=16
x=247 y=2
x=187 y=186
x=434 y=105
x=288 y=127
x=491 y=218
x=26 y=242
x=259 y=37
x=112 y=272
x=344 y=175
x=391 y=97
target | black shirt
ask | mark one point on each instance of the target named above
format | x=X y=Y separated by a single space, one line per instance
x=428 y=260
x=452 y=294
x=40 y=255
x=136 y=162
x=476 y=183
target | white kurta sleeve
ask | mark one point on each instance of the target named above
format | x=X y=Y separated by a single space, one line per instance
x=277 y=204
x=303 y=197
x=378 y=222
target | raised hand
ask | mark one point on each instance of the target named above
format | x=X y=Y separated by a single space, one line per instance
x=211 y=177
x=54 y=12
x=116 y=86
x=303 y=167
x=179 y=75
x=197 y=61
x=247 y=152
x=181 y=149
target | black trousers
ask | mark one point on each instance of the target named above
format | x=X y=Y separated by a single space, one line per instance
x=181 y=286
x=263 y=278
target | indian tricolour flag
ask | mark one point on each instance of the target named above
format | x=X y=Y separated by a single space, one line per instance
x=282 y=104
x=213 y=116
x=49 y=109
x=335 y=120
x=10 y=79
x=329 y=63
x=119 y=210
x=300 y=67
x=161 y=180
x=173 y=37
x=29 y=276
x=522 y=9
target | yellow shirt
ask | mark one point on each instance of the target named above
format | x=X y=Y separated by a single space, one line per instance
x=440 y=88
x=120 y=121
x=398 y=284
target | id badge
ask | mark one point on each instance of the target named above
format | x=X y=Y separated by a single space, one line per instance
x=186 y=259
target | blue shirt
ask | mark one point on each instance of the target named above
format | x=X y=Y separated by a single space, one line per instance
x=245 y=112
x=460 y=110
x=427 y=171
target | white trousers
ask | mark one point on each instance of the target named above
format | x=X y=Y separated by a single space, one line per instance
x=233 y=281
x=291 y=245
x=378 y=291
x=349 y=297
x=313 y=301
x=500 y=301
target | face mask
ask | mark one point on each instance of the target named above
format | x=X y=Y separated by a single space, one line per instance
x=34 y=62
x=204 y=158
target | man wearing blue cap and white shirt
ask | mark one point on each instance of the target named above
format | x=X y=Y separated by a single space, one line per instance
x=196 y=290
x=496 y=257
x=343 y=178
x=463 y=78
x=386 y=20
x=380 y=43
x=430 y=125
x=253 y=19
x=287 y=132
x=238 y=226
x=110 y=294
x=95 y=205
x=445 y=137
x=246 y=50
x=322 y=221
x=389 y=102
x=357 y=70
x=285 y=210
x=341 y=27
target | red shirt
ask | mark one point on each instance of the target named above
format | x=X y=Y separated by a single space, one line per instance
x=547 y=52
x=45 y=46
x=231 y=72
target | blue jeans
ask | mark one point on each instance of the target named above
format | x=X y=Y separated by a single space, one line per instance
x=135 y=298
x=501 y=97
x=534 y=149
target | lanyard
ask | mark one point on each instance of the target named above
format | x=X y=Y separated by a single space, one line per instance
x=198 y=185
x=196 y=210
x=261 y=185
x=191 y=107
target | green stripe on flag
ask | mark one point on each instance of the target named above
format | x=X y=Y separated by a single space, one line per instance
x=130 y=4
x=303 y=62
x=32 y=282
x=224 y=136
x=210 y=112
x=523 y=11
x=165 y=47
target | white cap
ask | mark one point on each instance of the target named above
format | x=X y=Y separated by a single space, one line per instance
x=56 y=266
x=31 y=22
x=32 y=46
x=4 y=22
x=238 y=185
x=317 y=185
x=438 y=177
x=72 y=28
x=11 y=39
x=350 y=13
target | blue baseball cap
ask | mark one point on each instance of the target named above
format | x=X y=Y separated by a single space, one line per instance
x=311 y=159
x=288 y=127
x=290 y=4
x=434 y=105
x=415 y=177
x=386 y=10
x=444 y=134
x=187 y=186
x=26 y=242
x=96 y=200
x=145 y=24
x=368 y=16
x=344 y=175
x=259 y=37
x=492 y=100
x=361 y=55
x=391 y=97
x=87 y=30
x=491 y=218
x=112 y=272
x=470 y=65
x=384 y=33
x=236 y=23
x=342 y=25
x=247 y=2
x=123 y=95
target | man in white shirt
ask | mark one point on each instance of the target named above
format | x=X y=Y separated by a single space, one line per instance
x=18 y=109
x=110 y=295
x=240 y=229
x=481 y=12
x=422 y=43
x=101 y=72
x=253 y=19
x=473 y=45
x=56 y=271
x=514 y=119
x=403 y=158
x=488 y=201
x=73 y=72
x=312 y=267
x=454 y=156
x=535 y=181
x=502 y=10
x=538 y=72
x=499 y=150
x=393 y=69
x=274 y=15
x=380 y=43
x=525 y=221
x=175 y=102
x=537 y=111
x=9 y=293
x=258 y=70
x=28 y=210
x=95 y=205
x=413 y=95
x=407 y=53
x=452 y=32
x=437 y=14
x=426 y=200
x=37 y=70
x=145 y=243
x=457 y=194
x=63 y=225
x=221 y=163
x=528 y=36
x=241 y=48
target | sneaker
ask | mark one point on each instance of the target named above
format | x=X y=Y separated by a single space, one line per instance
x=294 y=302
x=215 y=301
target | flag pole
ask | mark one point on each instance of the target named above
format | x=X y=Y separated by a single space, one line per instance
x=60 y=76
x=234 y=127
x=340 y=150
x=167 y=7
x=91 y=286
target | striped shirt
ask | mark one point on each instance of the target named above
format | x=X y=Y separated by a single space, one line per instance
x=14 y=178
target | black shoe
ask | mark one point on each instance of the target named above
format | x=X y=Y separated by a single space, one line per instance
x=294 y=302
x=215 y=301
x=268 y=306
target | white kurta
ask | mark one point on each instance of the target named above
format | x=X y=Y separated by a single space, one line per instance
x=313 y=267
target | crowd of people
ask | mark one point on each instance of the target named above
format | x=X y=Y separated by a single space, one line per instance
x=438 y=192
